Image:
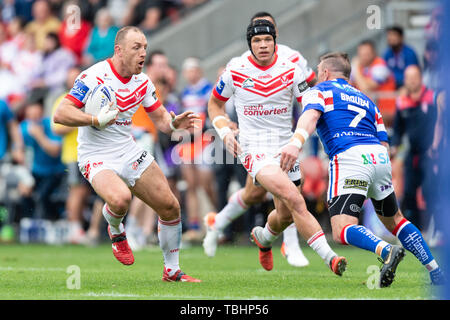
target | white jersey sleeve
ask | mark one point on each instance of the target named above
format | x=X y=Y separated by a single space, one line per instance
x=224 y=88
x=296 y=57
x=300 y=85
x=82 y=88
x=151 y=102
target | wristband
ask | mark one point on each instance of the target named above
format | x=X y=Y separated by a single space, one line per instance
x=92 y=121
x=296 y=142
x=217 y=119
x=303 y=133
x=223 y=132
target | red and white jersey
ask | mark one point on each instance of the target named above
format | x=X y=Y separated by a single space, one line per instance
x=290 y=54
x=263 y=99
x=130 y=93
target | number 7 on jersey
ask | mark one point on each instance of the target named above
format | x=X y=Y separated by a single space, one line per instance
x=361 y=114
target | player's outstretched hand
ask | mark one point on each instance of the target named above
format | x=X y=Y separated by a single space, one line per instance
x=186 y=120
x=289 y=155
x=107 y=116
x=232 y=145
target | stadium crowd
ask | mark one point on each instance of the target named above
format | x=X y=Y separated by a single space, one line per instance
x=41 y=55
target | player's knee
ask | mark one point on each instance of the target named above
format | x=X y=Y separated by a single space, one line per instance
x=120 y=202
x=171 y=210
x=254 y=196
x=292 y=199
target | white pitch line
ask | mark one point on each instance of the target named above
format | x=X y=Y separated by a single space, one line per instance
x=31 y=269
x=111 y=294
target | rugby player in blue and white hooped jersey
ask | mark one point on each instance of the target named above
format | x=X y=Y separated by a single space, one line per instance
x=351 y=129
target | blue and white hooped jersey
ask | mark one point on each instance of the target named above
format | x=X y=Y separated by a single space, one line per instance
x=349 y=118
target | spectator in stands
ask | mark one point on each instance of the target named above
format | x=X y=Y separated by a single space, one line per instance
x=47 y=168
x=157 y=65
x=101 y=41
x=229 y=168
x=5 y=73
x=431 y=66
x=9 y=129
x=13 y=43
x=79 y=188
x=158 y=68
x=51 y=75
x=26 y=62
x=90 y=8
x=415 y=119
x=72 y=36
x=433 y=29
x=164 y=148
x=172 y=78
x=16 y=8
x=398 y=55
x=43 y=23
x=8 y=11
x=15 y=179
x=371 y=75
x=196 y=153
x=146 y=14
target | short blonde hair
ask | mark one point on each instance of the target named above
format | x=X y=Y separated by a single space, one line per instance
x=121 y=34
x=337 y=62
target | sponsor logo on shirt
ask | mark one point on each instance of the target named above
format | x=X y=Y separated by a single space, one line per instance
x=265 y=76
x=126 y=122
x=79 y=90
x=258 y=110
x=355 y=184
x=248 y=83
x=220 y=86
x=139 y=160
x=303 y=86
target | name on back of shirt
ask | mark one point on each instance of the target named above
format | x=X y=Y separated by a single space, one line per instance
x=355 y=99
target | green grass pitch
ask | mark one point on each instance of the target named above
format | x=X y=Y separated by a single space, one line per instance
x=43 y=272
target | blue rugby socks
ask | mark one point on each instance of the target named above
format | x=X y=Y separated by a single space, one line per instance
x=412 y=240
x=361 y=237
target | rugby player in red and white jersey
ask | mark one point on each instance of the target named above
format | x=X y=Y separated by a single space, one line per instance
x=110 y=159
x=266 y=147
x=251 y=194
x=284 y=51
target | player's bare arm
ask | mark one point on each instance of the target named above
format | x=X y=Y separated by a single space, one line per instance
x=69 y=115
x=305 y=127
x=216 y=112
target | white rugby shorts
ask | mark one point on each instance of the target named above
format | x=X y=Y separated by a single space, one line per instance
x=253 y=162
x=363 y=169
x=128 y=165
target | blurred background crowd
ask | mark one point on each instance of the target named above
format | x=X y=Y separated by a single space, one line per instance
x=43 y=198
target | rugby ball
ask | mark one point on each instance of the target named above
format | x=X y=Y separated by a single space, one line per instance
x=100 y=98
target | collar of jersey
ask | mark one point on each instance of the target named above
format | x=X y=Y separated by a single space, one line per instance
x=118 y=76
x=263 y=68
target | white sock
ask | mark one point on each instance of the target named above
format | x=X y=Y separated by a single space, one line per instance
x=269 y=235
x=290 y=236
x=114 y=220
x=169 y=235
x=432 y=265
x=234 y=208
x=319 y=244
